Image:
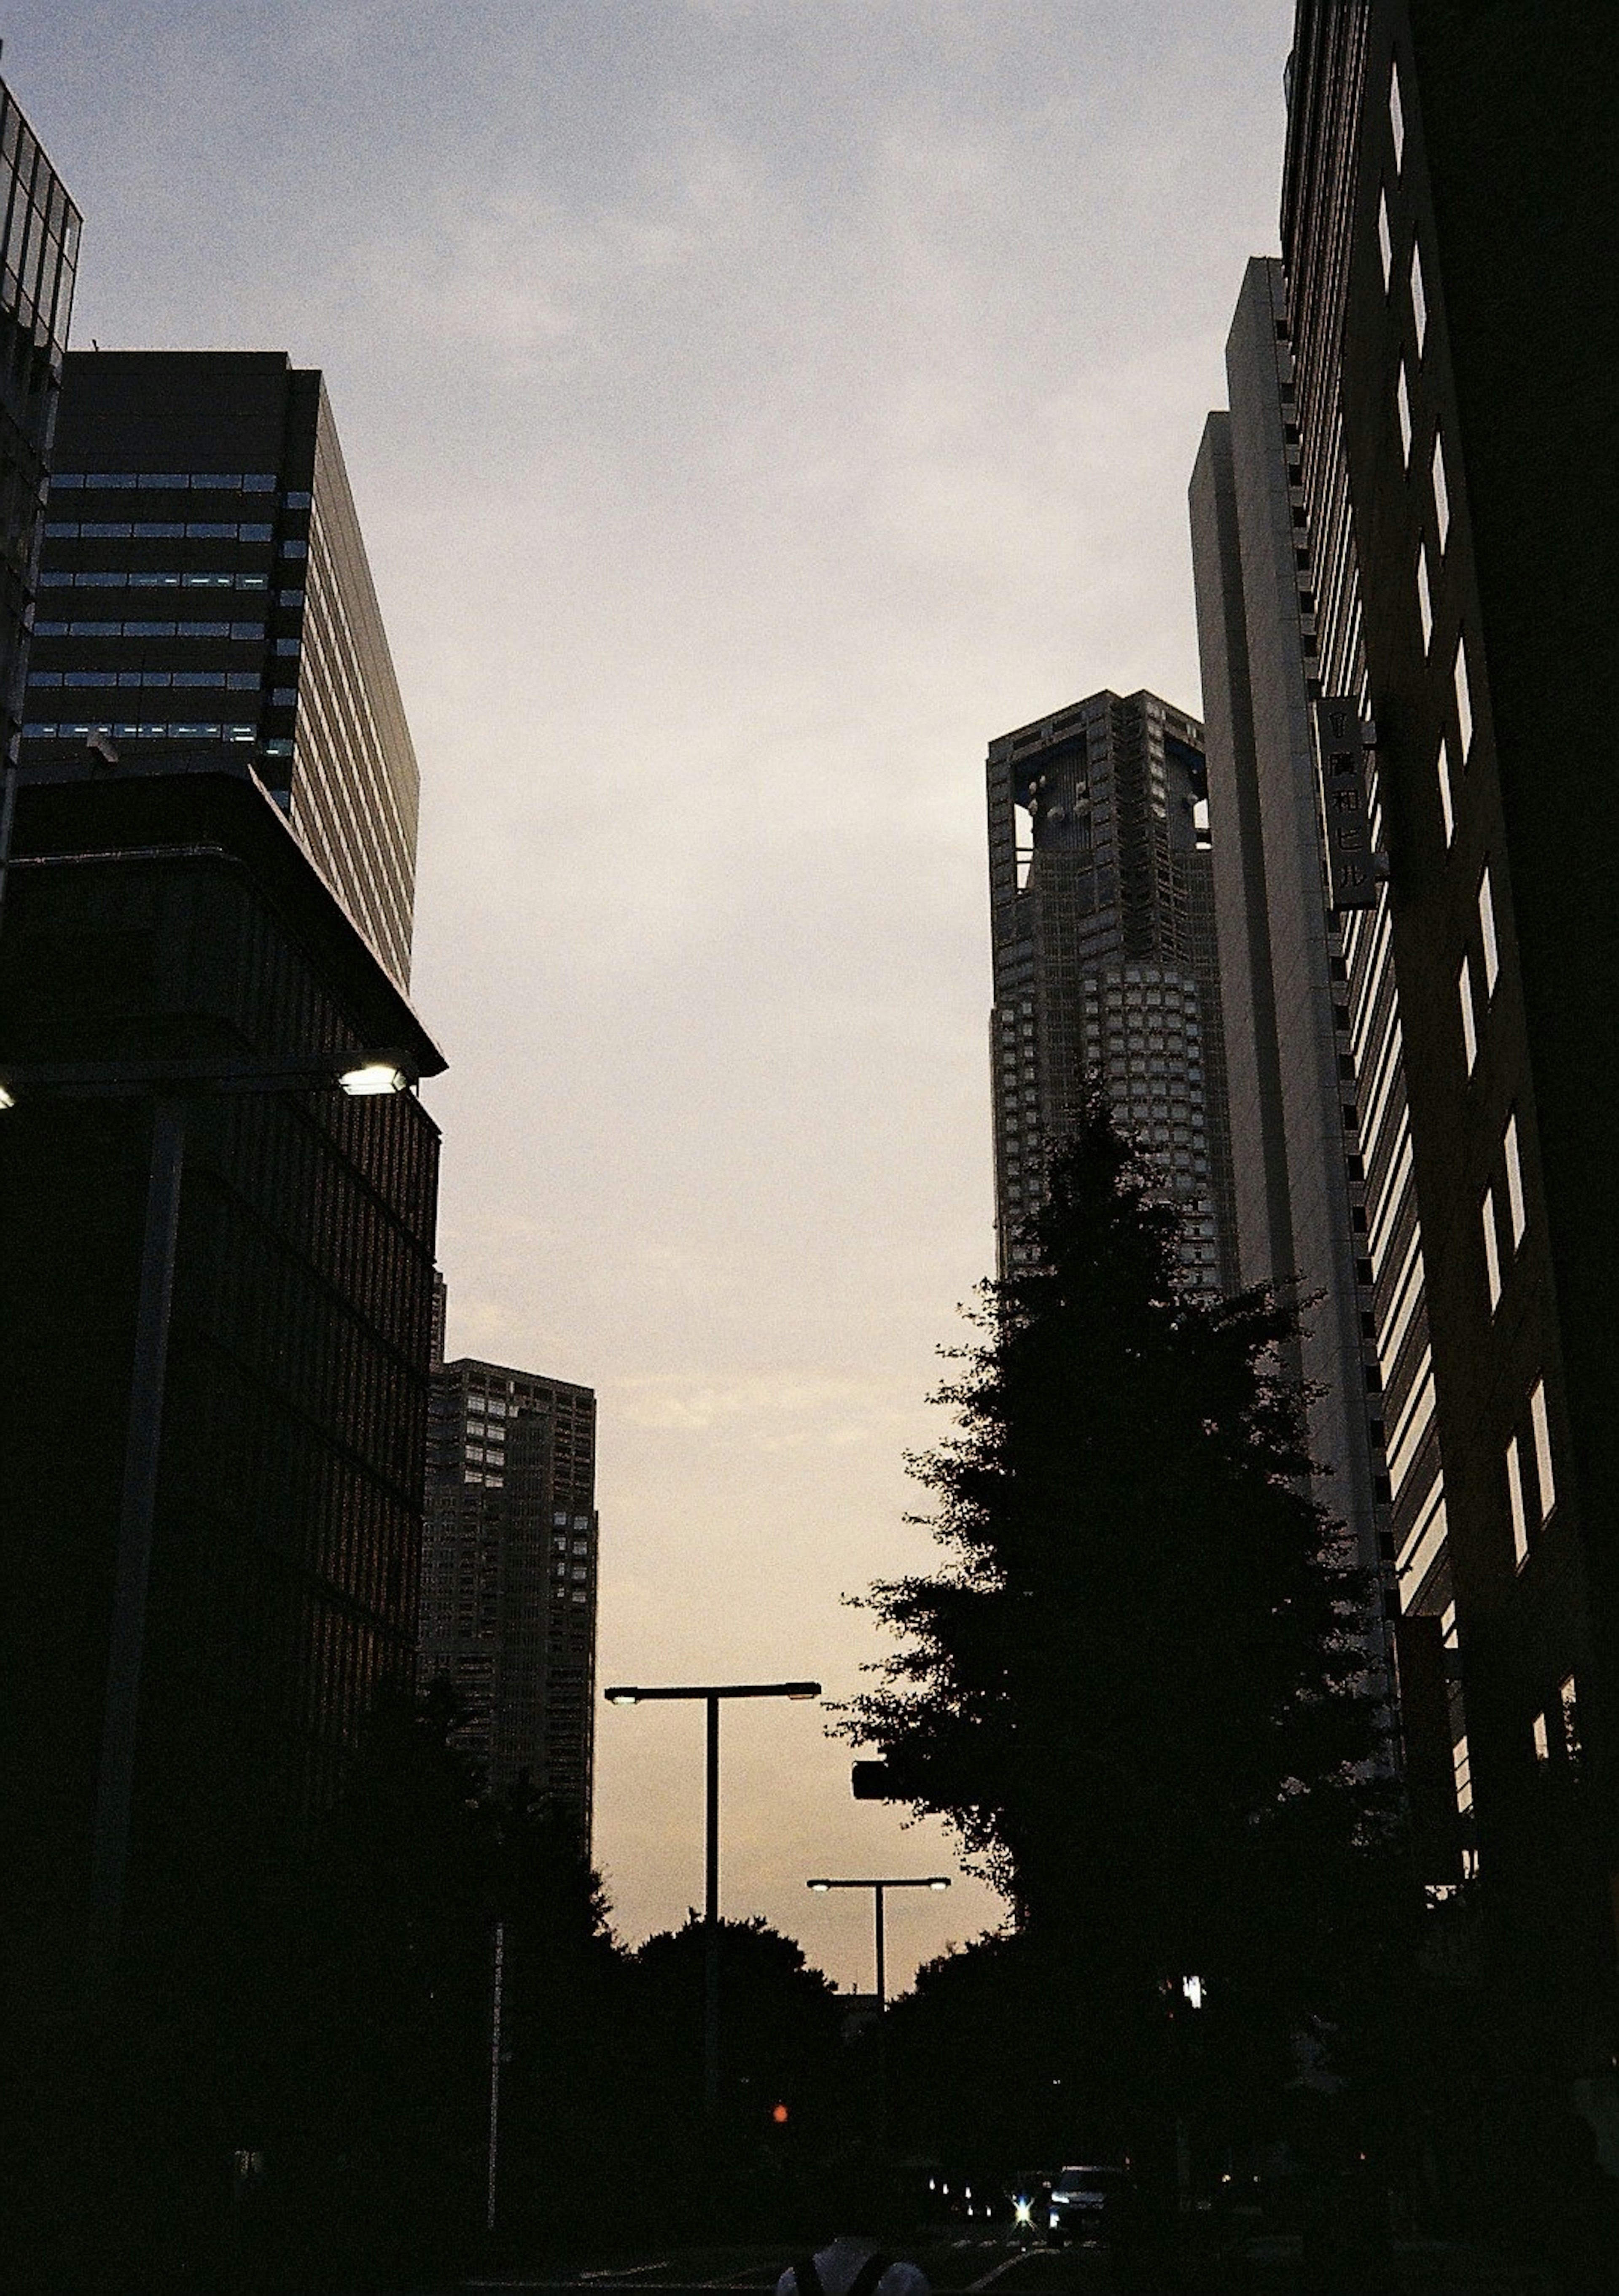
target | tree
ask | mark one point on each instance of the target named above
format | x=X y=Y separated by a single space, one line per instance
x=1134 y=1689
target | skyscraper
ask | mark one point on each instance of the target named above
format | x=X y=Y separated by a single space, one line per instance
x=1446 y=230
x=509 y=1574
x=1102 y=931
x=1297 y=1180
x=204 y=584
x=39 y=227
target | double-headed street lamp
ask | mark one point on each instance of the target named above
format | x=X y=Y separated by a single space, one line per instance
x=879 y=1889
x=711 y=1693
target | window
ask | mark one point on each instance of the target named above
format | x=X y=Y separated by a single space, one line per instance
x=1486 y=926
x=1469 y=1027
x=1543 y=1743
x=1492 y=1264
x=1425 y=604
x=1386 y=245
x=1463 y=1765
x=1464 y=699
x=1418 y=299
x=1515 y=1499
x=1442 y=492
x=1446 y=806
x=1568 y=1700
x=1403 y=407
x=1515 y=1182
x=1542 y=1447
x=1396 y=116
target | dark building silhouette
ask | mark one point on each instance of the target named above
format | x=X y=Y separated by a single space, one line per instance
x=1102 y=931
x=213 y=1362
x=203 y=583
x=509 y=1574
x=1298 y=1192
x=40 y=228
x=1449 y=334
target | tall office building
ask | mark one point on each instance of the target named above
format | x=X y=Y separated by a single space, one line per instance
x=213 y=1362
x=1102 y=930
x=1298 y=1186
x=509 y=1574
x=1446 y=229
x=203 y=584
x=39 y=227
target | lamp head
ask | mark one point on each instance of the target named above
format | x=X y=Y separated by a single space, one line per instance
x=372 y=1080
x=817 y=1885
x=939 y=1881
x=622 y=1694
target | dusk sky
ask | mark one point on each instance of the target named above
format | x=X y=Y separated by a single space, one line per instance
x=753 y=406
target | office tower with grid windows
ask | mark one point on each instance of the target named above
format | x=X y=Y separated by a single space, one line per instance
x=203 y=584
x=1297 y=1188
x=1103 y=933
x=1450 y=324
x=39 y=227
x=508 y=1575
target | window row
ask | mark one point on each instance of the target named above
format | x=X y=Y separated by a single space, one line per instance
x=150 y=578
x=236 y=482
x=252 y=632
x=160 y=530
x=227 y=681
x=147 y=732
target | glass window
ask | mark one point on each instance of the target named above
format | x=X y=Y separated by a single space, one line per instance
x=1469 y=1030
x=1515 y=1499
x=1386 y=245
x=1492 y=1264
x=1486 y=926
x=1464 y=699
x=1403 y=407
x=1425 y=604
x=1515 y=1181
x=1442 y=492
x=1418 y=299
x=227 y=481
x=1463 y=1765
x=1396 y=116
x=160 y=529
x=1446 y=806
x=1542 y=1447
x=1542 y=1745
x=1568 y=1702
x=164 y=482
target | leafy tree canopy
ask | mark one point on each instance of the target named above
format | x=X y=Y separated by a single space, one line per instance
x=1133 y=1688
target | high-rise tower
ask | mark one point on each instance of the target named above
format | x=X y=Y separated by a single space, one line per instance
x=204 y=584
x=40 y=228
x=509 y=1574
x=1297 y=1184
x=1450 y=324
x=1102 y=929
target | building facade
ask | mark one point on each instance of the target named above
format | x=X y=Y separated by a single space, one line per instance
x=1297 y=1179
x=219 y=1267
x=203 y=583
x=1450 y=360
x=508 y=1575
x=39 y=229
x=1103 y=940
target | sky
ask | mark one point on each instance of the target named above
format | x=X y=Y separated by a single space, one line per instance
x=753 y=408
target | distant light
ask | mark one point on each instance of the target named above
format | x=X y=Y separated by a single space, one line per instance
x=780 y=2115
x=7 y=1100
x=1024 y=2209
x=372 y=1080
x=1192 y=1987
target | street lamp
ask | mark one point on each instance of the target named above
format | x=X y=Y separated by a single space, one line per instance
x=170 y=1085
x=710 y=1692
x=879 y=1889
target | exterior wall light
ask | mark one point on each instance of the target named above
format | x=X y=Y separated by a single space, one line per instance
x=374 y=1079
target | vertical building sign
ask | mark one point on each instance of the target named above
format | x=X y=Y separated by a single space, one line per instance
x=1351 y=864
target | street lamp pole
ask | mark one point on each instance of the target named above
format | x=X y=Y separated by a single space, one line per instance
x=880 y=1886
x=711 y=1693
